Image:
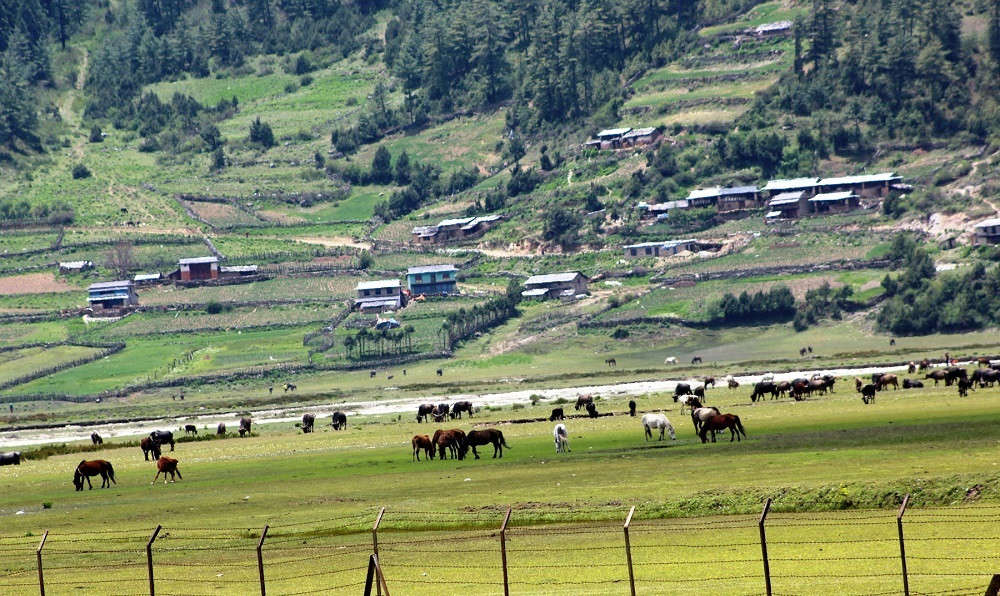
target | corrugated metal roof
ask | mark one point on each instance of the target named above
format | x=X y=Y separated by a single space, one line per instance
x=425 y=230
x=535 y=292
x=664 y=243
x=988 y=223
x=863 y=179
x=832 y=196
x=639 y=132
x=701 y=193
x=147 y=276
x=613 y=132
x=198 y=260
x=678 y=204
x=378 y=301
x=553 y=278
x=791 y=184
x=380 y=283
x=117 y=295
x=76 y=264
x=110 y=285
x=461 y=221
x=239 y=269
x=430 y=269
x=778 y=26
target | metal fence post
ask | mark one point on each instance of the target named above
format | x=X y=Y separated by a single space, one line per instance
x=41 y=579
x=260 y=560
x=149 y=559
x=994 y=588
x=763 y=546
x=628 y=551
x=902 y=545
x=503 y=551
x=378 y=520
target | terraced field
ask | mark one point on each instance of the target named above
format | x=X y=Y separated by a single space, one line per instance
x=150 y=323
x=18 y=363
x=301 y=288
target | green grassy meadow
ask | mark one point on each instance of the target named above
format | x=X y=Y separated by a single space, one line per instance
x=835 y=468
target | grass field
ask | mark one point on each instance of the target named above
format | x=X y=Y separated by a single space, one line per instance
x=826 y=454
x=18 y=363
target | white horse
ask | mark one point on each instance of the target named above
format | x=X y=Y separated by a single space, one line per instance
x=651 y=421
x=561 y=435
x=670 y=360
x=687 y=400
x=767 y=377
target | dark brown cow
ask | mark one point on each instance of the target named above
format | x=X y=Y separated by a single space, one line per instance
x=424 y=412
x=422 y=442
x=461 y=406
x=96 y=439
x=937 y=375
x=582 y=401
x=440 y=412
x=868 y=394
x=166 y=465
x=887 y=379
x=221 y=429
x=308 y=420
x=339 y=421
x=244 y=427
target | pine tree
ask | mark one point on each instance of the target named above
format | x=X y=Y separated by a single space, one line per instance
x=261 y=133
x=993 y=33
x=381 y=172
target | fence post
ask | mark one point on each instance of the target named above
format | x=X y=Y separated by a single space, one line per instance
x=628 y=551
x=375 y=576
x=503 y=551
x=902 y=545
x=378 y=520
x=994 y=588
x=149 y=559
x=260 y=560
x=763 y=546
x=41 y=579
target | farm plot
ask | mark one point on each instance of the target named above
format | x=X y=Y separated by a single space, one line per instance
x=300 y=288
x=259 y=249
x=223 y=215
x=23 y=333
x=47 y=301
x=35 y=283
x=12 y=242
x=359 y=206
x=150 y=323
x=400 y=261
x=768 y=12
x=18 y=363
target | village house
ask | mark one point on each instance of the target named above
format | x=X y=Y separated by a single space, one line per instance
x=788 y=205
x=987 y=232
x=834 y=202
x=75 y=266
x=640 y=137
x=868 y=186
x=111 y=295
x=463 y=228
x=379 y=296
x=726 y=199
x=775 y=187
x=777 y=29
x=198 y=268
x=612 y=137
x=432 y=279
x=667 y=248
x=555 y=285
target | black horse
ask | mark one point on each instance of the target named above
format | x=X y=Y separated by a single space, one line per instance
x=163 y=437
x=149 y=446
x=10 y=459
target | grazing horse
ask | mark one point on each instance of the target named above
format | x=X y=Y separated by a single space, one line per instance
x=424 y=412
x=96 y=439
x=484 y=437
x=148 y=446
x=449 y=441
x=190 y=429
x=592 y=410
x=708 y=381
x=764 y=387
x=422 y=442
x=461 y=406
x=696 y=360
x=611 y=362
x=95 y=467
x=670 y=360
x=221 y=429
x=582 y=401
x=308 y=420
x=557 y=414
x=691 y=401
x=700 y=415
x=10 y=459
x=163 y=437
x=631 y=408
x=911 y=368
x=722 y=422
x=561 y=436
x=651 y=421
x=885 y=380
x=339 y=421
x=731 y=382
x=166 y=465
x=244 y=427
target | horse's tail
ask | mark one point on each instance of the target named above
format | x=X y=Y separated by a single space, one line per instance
x=111 y=473
x=503 y=442
x=739 y=426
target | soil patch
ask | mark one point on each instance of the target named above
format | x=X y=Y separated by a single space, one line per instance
x=35 y=283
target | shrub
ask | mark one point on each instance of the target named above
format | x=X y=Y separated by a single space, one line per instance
x=517 y=406
x=261 y=133
x=620 y=333
x=80 y=171
x=306 y=80
x=214 y=308
x=95 y=135
x=535 y=398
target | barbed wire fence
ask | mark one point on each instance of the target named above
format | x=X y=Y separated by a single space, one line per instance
x=530 y=550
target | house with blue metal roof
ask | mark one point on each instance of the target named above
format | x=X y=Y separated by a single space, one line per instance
x=109 y=295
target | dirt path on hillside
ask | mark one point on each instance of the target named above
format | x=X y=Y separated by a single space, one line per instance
x=66 y=110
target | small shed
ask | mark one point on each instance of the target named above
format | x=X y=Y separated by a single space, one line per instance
x=111 y=295
x=75 y=266
x=432 y=279
x=199 y=268
x=611 y=138
x=238 y=271
x=834 y=202
x=641 y=137
x=788 y=205
x=554 y=285
x=145 y=279
x=379 y=295
x=987 y=232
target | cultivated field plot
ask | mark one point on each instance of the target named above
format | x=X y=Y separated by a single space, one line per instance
x=148 y=323
x=13 y=242
x=768 y=12
x=40 y=302
x=18 y=363
x=223 y=215
x=360 y=205
x=400 y=261
x=298 y=288
x=237 y=247
x=835 y=468
x=22 y=333
x=35 y=283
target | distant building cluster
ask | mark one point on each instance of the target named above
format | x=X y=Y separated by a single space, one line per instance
x=623 y=138
x=788 y=199
x=450 y=230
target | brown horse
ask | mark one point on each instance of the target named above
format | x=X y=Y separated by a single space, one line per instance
x=166 y=465
x=148 y=446
x=422 y=442
x=722 y=422
x=449 y=441
x=95 y=467
x=484 y=437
